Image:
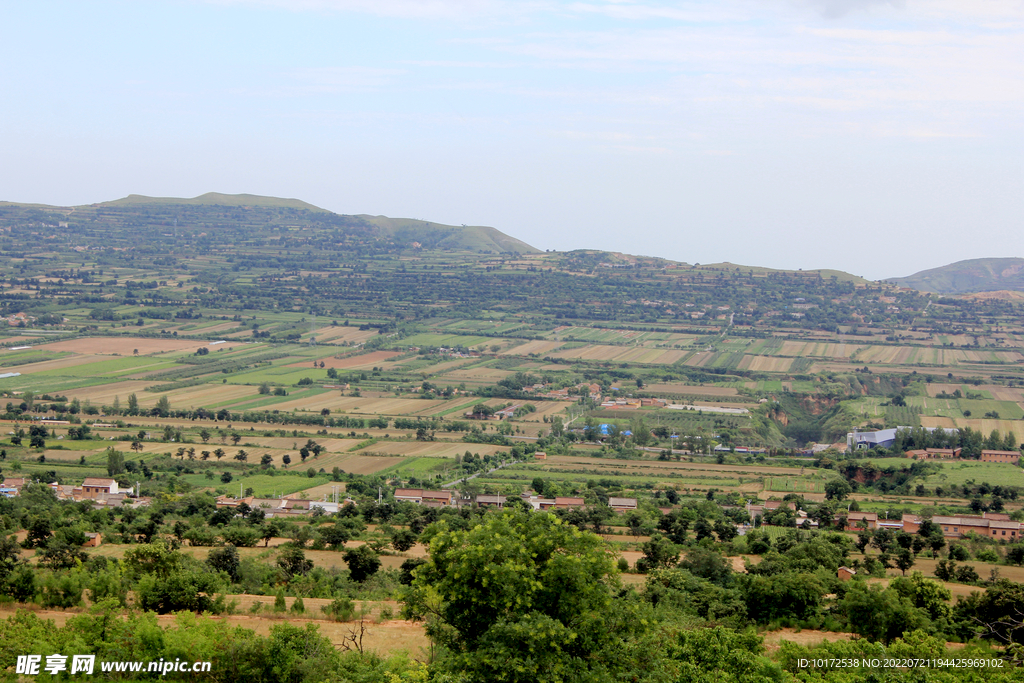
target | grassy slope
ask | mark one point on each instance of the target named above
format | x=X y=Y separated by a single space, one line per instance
x=974 y=275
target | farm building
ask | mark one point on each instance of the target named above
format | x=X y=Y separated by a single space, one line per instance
x=993 y=525
x=935 y=454
x=845 y=573
x=622 y=504
x=422 y=497
x=858 y=520
x=1012 y=457
x=883 y=438
x=568 y=502
x=484 y=500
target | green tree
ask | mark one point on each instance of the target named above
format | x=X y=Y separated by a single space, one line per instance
x=115 y=461
x=520 y=598
x=163 y=406
x=659 y=552
x=133 y=404
x=293 y=562
x=362 y=562
x=403 y=539
x=837 y=489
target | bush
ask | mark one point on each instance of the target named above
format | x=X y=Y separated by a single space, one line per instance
x=342 y=609
x=623 y=565
x=987 y=555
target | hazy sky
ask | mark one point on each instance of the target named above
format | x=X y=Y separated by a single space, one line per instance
x=880 y=137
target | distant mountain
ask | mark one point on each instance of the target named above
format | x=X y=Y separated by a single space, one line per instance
x=965 y=277
x=216 y=199
x=235 y=215
x=439 y=236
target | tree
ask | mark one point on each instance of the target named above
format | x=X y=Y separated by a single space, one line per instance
x=293 y=562
x=837 y=489
x=521 y=597
x=403 y=540
x=115 y=462
x=537 y=485
x=224 y=560
x=905 y=560
x=163 y=406
x=204 y=434
x=241 y=455
x=362 y=562
x=133 y=404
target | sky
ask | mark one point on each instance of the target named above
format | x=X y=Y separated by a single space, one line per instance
x=879 y=137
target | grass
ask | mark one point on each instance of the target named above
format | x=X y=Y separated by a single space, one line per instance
x=960 y=473
x=418 y=466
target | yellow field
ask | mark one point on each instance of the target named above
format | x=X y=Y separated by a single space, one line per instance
x=57 y=363
x=196 y=397
x=681 y=388
x=535 y=346
x=433 y=449
x=103 y=394
x=126 y=346
x=362 y=405
x=798 y=349
x=623 y=354
x=545 y=408
x=982 y=425
x=766 y=363
x=488 y=375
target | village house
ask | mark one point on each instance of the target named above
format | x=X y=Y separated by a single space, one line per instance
x=484 y=500
x=568 y=502
x=622 y=504
x=98 y=487
x=845 y=573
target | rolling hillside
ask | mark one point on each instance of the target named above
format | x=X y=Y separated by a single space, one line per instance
x=964 y=277
x=241 y=215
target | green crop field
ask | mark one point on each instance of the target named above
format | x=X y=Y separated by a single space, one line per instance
x=960 y=473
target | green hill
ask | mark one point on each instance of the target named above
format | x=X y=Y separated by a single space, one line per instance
x=964 y=277
x=238 y=216
x=439 y=236
x=216 y=199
